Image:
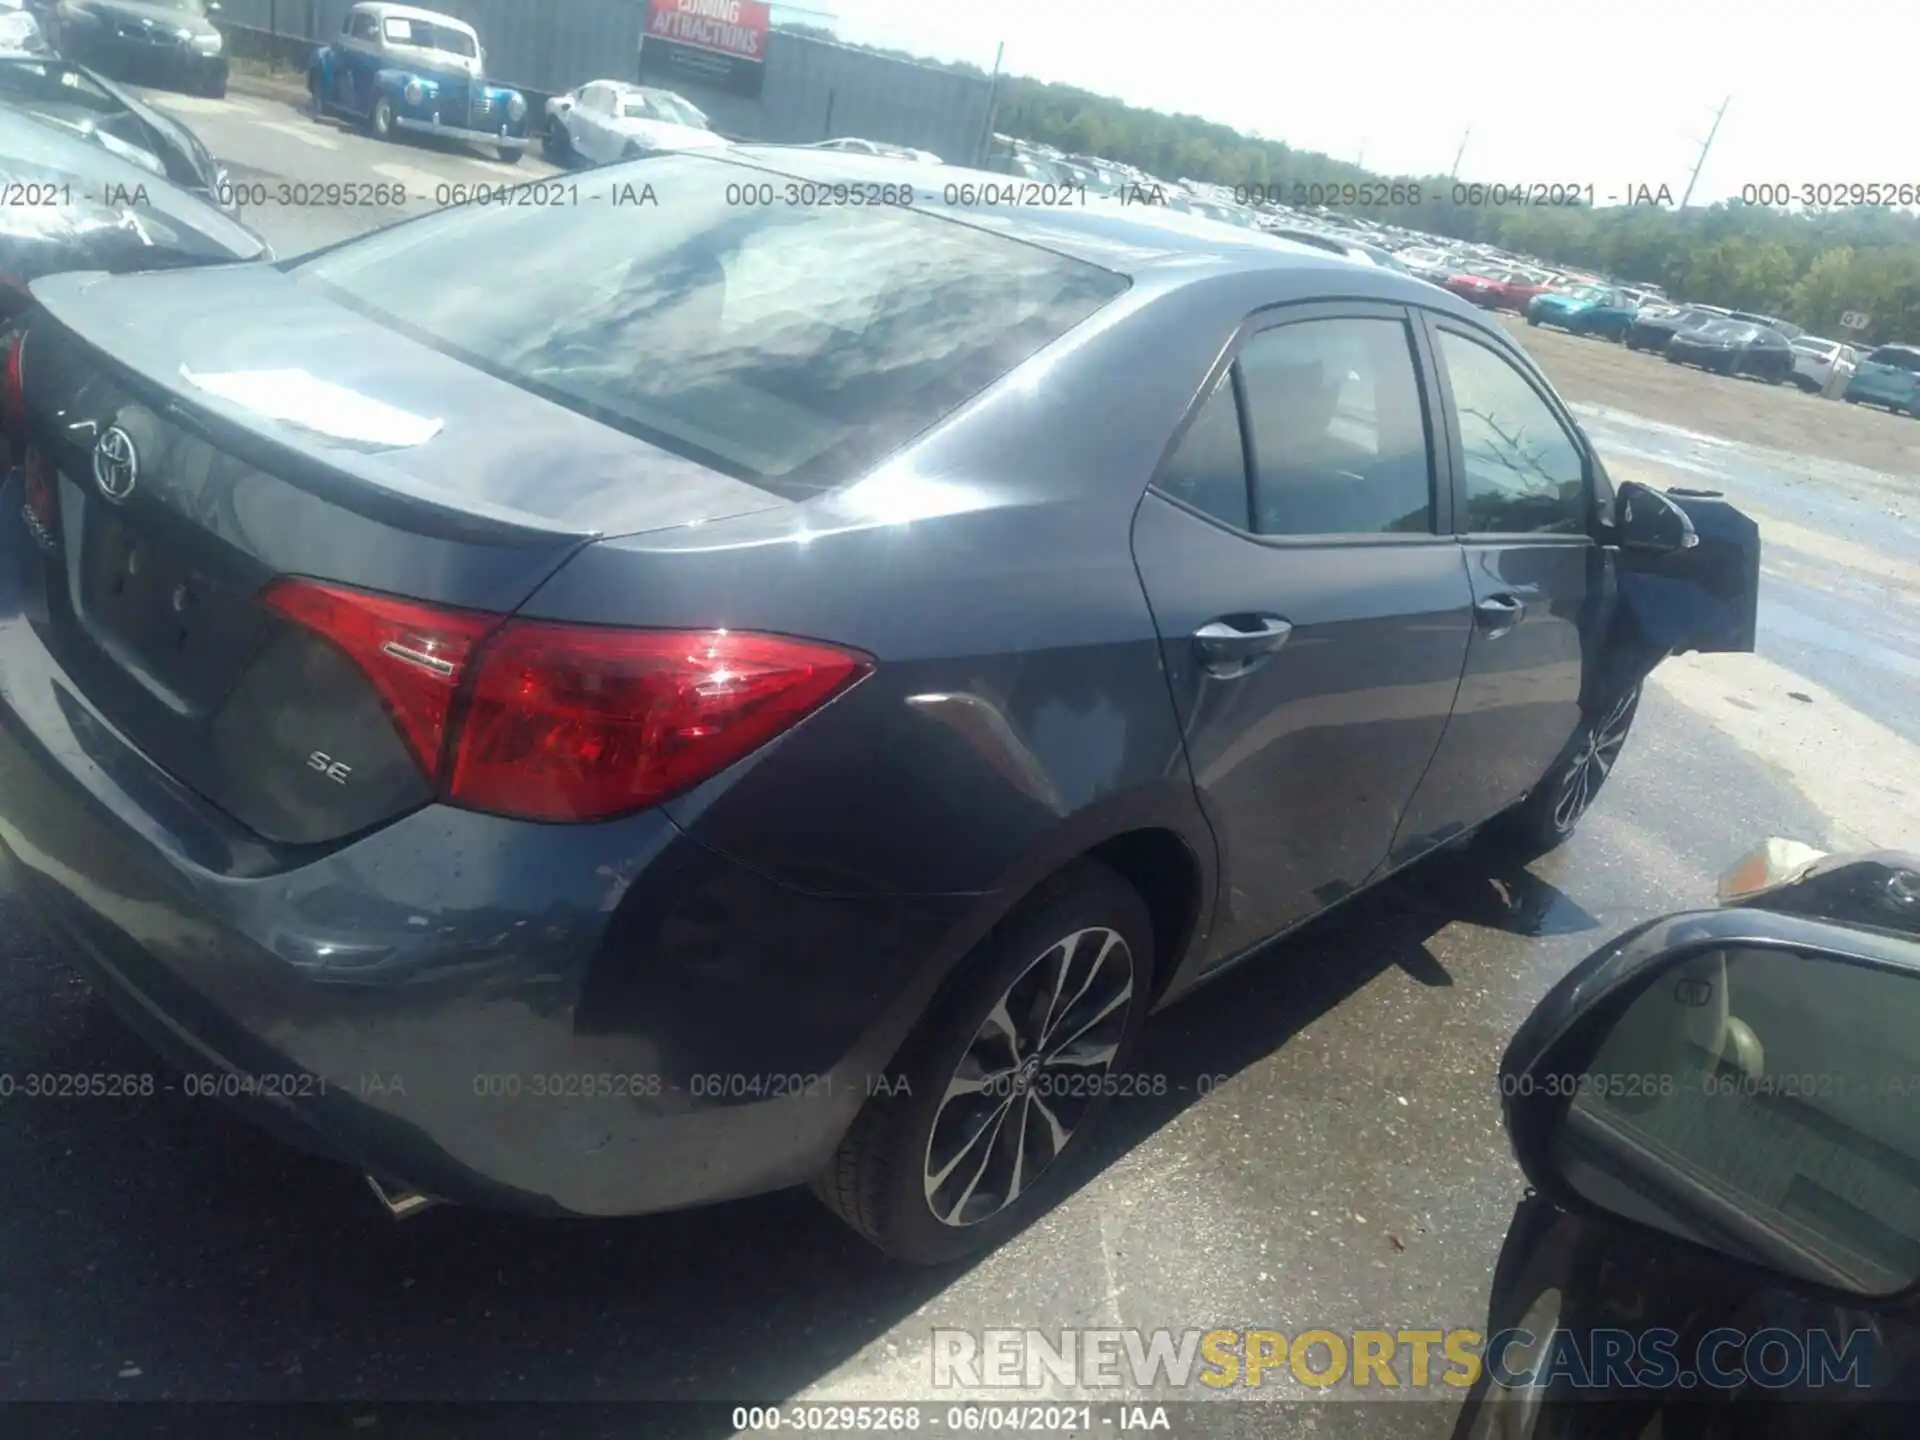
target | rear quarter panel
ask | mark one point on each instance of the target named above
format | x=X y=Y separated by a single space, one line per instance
x=1017 y=713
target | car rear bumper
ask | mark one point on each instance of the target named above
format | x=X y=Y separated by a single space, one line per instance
x=139 y=60
x=593 y=1020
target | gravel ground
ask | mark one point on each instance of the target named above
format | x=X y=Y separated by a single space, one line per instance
x=1776 y=417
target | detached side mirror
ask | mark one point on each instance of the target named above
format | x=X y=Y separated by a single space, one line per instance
x=1648 y=521
x=1743 y=1081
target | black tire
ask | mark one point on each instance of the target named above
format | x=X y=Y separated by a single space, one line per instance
x=879 y=1180
x=556 y=145
x=380 y=118
x=511 y=154
x=214 y=87
x=1531 y=321
x=316 y=107
x=1552 y=811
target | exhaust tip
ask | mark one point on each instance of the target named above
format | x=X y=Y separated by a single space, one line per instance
x=402 y=1203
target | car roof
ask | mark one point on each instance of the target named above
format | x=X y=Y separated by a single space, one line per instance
x=1142 y=241
x=381 y=10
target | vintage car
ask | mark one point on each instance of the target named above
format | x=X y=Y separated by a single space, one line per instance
x=395 y=67
x=605 y=121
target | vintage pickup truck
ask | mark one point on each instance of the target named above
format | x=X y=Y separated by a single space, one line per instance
x=395 y=67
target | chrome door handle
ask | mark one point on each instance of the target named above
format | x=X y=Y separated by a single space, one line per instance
x=1497 y=614
x=1234 y=644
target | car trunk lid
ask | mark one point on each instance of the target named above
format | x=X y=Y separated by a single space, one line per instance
x=195 y=442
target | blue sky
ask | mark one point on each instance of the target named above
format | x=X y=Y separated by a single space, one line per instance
x=1613 y=95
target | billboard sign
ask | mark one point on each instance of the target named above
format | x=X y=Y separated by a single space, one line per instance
x=719 y=43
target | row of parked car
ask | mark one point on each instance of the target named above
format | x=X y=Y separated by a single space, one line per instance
x=1739 y=342
x=1708 y=337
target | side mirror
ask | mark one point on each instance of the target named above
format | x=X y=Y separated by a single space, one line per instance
x=1743 y=1081
x=1651 y=523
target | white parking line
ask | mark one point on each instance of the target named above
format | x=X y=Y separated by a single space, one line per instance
x=308 y=134
x=201 y=105
x=421 y=184
x=495 y=167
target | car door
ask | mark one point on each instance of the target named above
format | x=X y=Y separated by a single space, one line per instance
x=358 y=63
x=1523 y=507
x=1312 y=604
x=590 y=119
x=1614 y=315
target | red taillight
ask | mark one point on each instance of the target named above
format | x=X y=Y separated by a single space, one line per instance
x=569 y=722
x=13 y=388
x=414 y=654
x=575 y=722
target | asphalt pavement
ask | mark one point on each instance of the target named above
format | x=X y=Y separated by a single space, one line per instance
x=1327 y=1151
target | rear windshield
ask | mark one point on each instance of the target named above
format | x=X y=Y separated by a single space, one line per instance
x=788 y=345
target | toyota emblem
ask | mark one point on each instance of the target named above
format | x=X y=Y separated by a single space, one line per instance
x=116 y=464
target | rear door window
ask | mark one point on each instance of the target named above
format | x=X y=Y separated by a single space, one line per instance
x=1208 y=470
x=1338 y=429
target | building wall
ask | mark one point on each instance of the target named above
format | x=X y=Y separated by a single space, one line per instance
x=813 y=90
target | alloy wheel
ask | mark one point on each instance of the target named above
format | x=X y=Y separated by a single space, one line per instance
x=1029 y=1075
x=1590 y=766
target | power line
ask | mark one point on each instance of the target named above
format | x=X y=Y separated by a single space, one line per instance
x=1705 y=146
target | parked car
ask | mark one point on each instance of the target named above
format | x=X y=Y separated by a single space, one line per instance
x=608 y=120
x=1340 y=245
x=81 y=206
x=85 y=206
x=1772 y=322
x=1496 y=287
x=828 y=732
x=1817 y=360
x=156 y=42
x=97 y=110
x=1653 y=328
x=20 y=30
x=395 y=67
x=1888 y=377
x=1734 y=347
x=1585 y=310
x=855 y=146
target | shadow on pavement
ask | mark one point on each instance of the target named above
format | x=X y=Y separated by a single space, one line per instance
x=161 y=1248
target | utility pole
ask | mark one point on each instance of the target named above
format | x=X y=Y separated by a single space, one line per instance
x=984 y=152
x=1704 y=148
x=1454 y=174
x=1360 y=161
